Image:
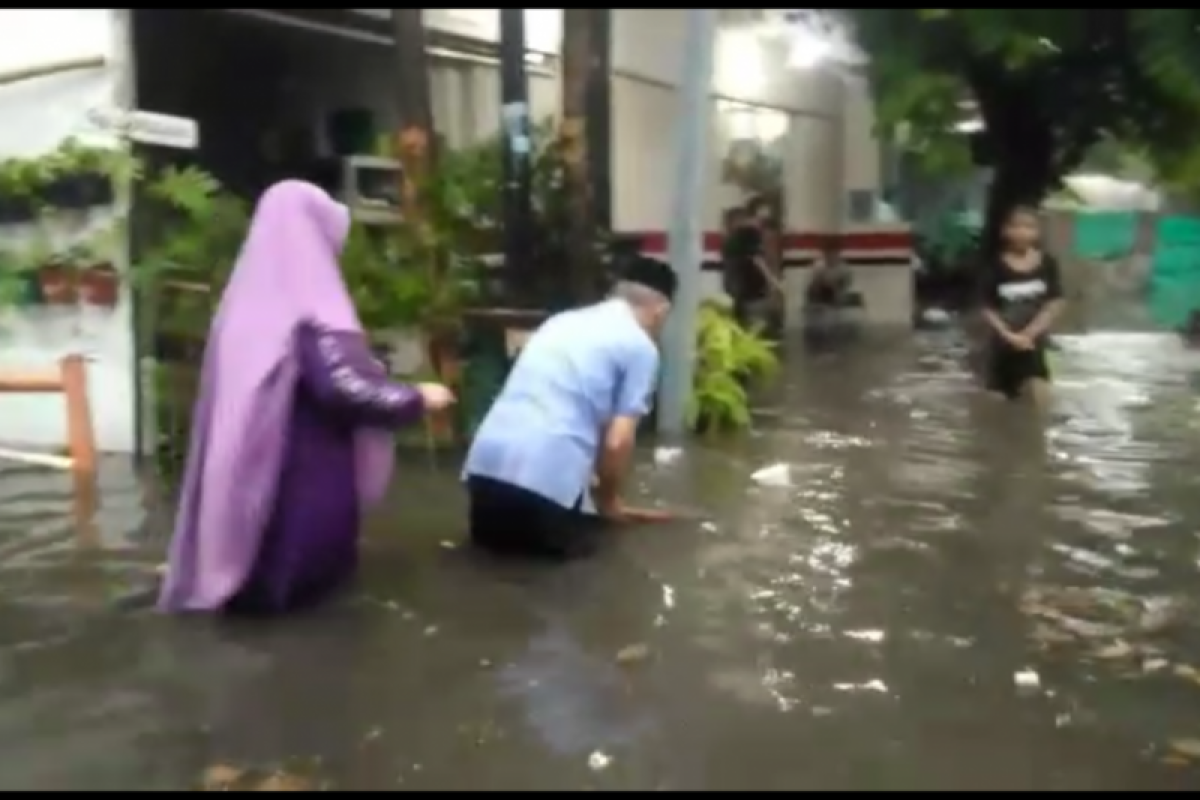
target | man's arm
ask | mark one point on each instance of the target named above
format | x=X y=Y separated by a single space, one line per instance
x=620 y=435
x=772 y=279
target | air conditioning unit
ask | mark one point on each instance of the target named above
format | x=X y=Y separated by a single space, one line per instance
x=370 y=187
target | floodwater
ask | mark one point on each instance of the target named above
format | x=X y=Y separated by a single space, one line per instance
x=948 y=593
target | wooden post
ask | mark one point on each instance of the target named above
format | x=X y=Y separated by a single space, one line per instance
x=81 y=440
x=576 y=68
x=70 y=380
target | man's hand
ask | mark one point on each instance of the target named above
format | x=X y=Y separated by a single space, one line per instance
x=609 y=506
x=646 y=515
x=616 y=511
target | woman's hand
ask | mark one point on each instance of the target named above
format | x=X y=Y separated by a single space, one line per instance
x=1019 y=341
x=435 y=396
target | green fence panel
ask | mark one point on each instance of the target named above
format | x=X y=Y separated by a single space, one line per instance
x=1105 y=234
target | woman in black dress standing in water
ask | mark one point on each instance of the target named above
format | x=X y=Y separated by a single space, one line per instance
x=1022 y=296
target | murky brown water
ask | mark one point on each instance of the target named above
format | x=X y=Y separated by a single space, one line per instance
x=946 y=596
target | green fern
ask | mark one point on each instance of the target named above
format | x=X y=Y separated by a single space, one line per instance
x=730 y=359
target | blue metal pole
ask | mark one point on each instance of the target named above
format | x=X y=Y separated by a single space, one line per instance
x=684 y=235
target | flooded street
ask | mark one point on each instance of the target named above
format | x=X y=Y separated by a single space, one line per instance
x=941 y=592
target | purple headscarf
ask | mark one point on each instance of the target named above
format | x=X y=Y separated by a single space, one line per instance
x=286 y=274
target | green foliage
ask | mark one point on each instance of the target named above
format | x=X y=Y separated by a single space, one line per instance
x=65 y=237
x=950 y=244
x=1049 y=84
x=729 y=360
x=426 y=272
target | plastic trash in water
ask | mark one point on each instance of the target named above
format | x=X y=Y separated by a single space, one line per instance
x=775 y=475
x=936 y=316
x=599 y=760
x=664 y=456
x=1027 y=680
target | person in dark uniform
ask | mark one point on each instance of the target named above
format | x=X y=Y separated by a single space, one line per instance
x=1022 y=297
x=748 y=278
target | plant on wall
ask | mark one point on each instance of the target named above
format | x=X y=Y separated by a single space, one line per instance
x=730 y=360
x=60 y=254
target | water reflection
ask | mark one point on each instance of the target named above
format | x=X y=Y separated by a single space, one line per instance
x=943 y=594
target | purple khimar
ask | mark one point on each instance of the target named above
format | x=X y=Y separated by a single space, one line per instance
x=287 y=274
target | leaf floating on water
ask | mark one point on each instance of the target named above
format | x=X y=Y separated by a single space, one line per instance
x=220 y=777
x=1188 y=673
x=1115 y=650
x=633 y=654
x=1186 y=747
x=283 y=782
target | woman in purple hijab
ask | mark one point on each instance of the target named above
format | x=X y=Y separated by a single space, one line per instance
x=291 y=434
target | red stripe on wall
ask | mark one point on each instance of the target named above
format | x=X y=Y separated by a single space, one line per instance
x=656 y=241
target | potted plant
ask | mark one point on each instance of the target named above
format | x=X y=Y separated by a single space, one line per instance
x=77 y=177
x=58 y=283
x=99 y=285
x=16 y=183
x=730 y=361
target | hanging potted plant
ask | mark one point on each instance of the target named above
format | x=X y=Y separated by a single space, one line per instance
x=17 y=181
x=78 y=177
x=58 y=283
x=99 y=285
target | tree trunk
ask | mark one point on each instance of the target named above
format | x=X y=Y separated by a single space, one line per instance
x=519 y=267
x=1023 y=176
x=576 y=66
x=416 y=144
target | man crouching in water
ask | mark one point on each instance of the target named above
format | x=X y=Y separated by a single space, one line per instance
x=569 y=411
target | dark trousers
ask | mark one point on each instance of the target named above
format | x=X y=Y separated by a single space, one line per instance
x=1009 y=370
x=508 y=520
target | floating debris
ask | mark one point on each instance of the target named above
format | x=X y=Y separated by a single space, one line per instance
x=665 y=456
x=227 y=778
x=220 y=777
x=1188 y=748
x=779 y=475
x=1027 y=679
x=633 y=654
x=599 y=761
x=282 y=782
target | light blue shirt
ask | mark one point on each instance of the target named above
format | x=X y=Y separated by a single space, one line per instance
x=580 y=370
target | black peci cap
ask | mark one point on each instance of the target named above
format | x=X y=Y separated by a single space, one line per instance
x=653 y=274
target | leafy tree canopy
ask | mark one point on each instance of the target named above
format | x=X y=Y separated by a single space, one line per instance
x=1048 y=85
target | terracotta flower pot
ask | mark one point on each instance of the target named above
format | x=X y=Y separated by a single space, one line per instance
x=59 y=285
x=99 y=285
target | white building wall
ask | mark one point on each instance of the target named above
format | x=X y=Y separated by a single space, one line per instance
x=823 y=125
x=38 y=115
